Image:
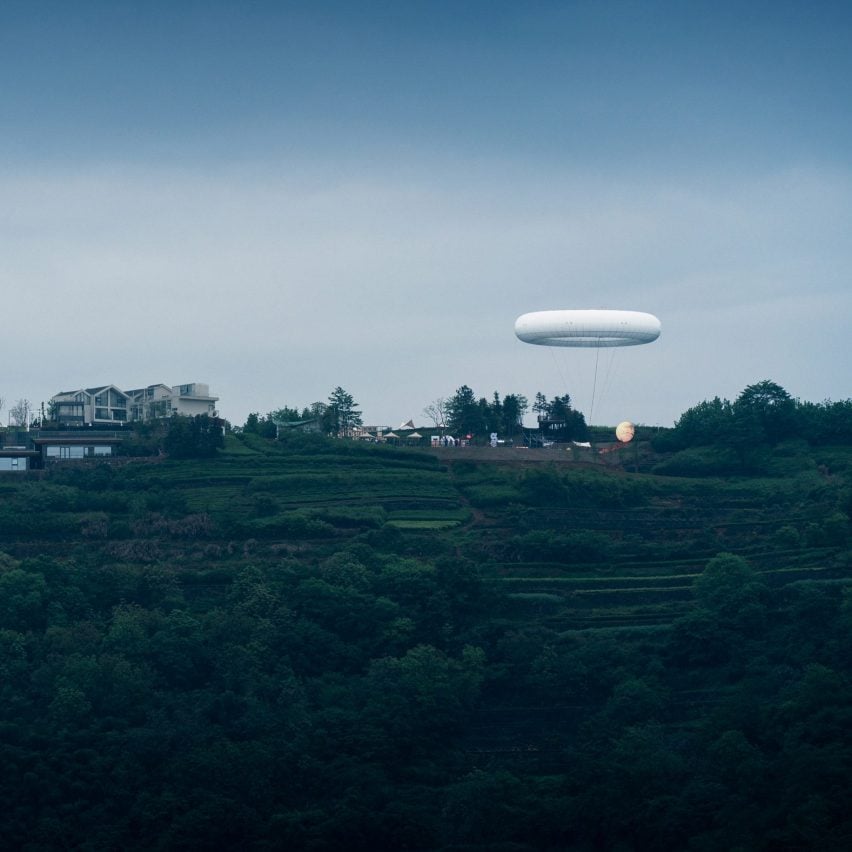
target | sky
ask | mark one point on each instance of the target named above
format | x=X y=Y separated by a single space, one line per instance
x=278 y=199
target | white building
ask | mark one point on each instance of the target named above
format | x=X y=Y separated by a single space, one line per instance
x=109 y=404
x=163 y=401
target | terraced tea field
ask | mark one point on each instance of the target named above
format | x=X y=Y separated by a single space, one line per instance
x=633 y=566
x=564 y=545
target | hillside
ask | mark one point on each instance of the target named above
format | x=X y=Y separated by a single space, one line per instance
x=313 y=644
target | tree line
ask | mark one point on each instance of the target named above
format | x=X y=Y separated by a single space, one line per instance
x=339 y=416
x=763 y=413
x=463 y=413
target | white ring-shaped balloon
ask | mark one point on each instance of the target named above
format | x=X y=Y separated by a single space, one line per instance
x=587 y=328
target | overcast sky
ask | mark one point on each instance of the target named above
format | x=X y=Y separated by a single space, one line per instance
x=279 y=198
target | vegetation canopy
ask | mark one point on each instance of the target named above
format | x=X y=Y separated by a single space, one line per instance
x=304 y=642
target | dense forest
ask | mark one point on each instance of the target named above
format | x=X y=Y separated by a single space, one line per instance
x=305 y=643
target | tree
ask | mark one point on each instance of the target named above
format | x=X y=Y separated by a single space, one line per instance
x=747 y=437
x=315 y=411
x=286 y=415
x=420 y=696
x=436 y=411
x=704 y=424
x=540 y=406
x=487 y=416
x=23 y=600
x=563 y=422
x=256 y=424
x=342 y=415
x=772 y=407
x=515 y=406
x=560 y=407
x=495 y=414
x=463 y=412
x=826 y=422
x=732 y=591
x=193 y=437
x=21 y=412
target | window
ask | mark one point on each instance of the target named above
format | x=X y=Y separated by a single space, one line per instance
x=67 y=452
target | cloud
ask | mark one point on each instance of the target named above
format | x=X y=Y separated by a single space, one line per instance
x=277 y=280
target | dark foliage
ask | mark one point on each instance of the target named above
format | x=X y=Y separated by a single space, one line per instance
x=762 y=416
x=196 y=437
x=311 y=644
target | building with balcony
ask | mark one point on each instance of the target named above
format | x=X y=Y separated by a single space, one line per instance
x=110 y=406
x=105 y=404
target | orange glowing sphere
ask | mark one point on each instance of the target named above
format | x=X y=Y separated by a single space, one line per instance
x=625 y=431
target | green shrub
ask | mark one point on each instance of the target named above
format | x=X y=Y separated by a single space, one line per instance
x=545 y=546
x=484 y=496
x=298 y=524
x=701 y=461
x=353 y=516
x=787 y=538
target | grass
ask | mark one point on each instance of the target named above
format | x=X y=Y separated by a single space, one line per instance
x=423 y=525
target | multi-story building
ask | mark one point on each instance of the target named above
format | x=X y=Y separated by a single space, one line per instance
x=109 y=405
x=105 y=404
x=162 y=401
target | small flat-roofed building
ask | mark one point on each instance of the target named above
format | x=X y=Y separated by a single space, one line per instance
x=193 y=399
x=59 y=447
x=18 y=459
